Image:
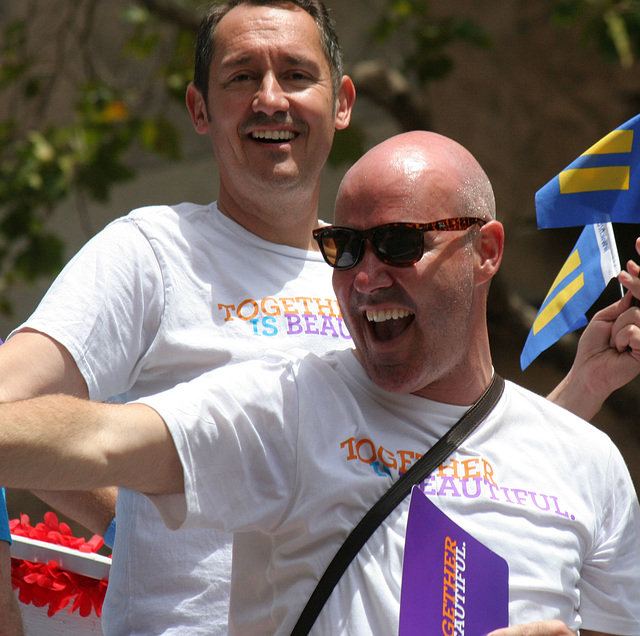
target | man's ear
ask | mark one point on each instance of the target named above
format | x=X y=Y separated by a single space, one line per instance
x=489 y=246
x=198 y=109
x=344 y=102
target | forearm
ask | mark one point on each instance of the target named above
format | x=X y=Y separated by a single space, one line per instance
x=608 y=357
x=576 y=394
x=40 y=438
x=94 y=510
x=63 y=443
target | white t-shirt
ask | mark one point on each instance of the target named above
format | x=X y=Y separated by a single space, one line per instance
x=157 y=298
x=290 y=455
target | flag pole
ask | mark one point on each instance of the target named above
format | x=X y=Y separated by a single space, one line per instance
x=615 y=245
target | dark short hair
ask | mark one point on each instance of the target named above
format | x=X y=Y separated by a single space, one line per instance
x=205 y=44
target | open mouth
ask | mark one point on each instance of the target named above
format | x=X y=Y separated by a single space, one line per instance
x=273 y=136
x=387 y=324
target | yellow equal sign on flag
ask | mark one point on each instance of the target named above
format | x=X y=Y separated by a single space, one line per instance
x=594 y=179
x=592 y=263
x=564 y=296
x=577 y=180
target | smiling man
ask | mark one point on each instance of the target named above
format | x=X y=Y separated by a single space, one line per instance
x=268 y=449
x=168 y=292
x=270 y=105
x=396 y=325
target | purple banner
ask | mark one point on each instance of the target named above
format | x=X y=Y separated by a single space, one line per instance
x=451 y=583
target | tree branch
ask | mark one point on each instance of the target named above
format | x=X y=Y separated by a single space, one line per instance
x=173 y=13
x=390 y=89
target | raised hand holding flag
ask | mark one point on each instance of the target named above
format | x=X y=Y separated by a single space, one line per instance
x=602 y=186
x=593 y=262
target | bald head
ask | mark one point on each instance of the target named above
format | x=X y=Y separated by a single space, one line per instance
x=419 y=327
x=425 y=162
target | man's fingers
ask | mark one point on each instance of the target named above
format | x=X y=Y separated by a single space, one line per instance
x=625 y=332
x=544 y=628
x=630 y=278
x=613 y=311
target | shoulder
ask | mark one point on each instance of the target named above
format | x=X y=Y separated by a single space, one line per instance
x=152 y=217
x=183 y=233
x=255 y=379
x=534 y=432
x=520 y=399
x=527 y=409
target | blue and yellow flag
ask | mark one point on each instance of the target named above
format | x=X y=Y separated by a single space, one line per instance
x=584 y=276
x=601 y=185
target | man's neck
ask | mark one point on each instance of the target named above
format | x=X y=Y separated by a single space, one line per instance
x=288 y=221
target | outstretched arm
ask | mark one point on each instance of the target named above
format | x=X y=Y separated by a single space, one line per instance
x=64 y=443
x=608 y=355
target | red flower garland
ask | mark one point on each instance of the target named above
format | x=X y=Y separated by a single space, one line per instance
x=46 y=583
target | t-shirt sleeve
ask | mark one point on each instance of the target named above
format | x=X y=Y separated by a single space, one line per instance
x=610 y=587
x=5 y=533
x=236 y=431
x=105 y=307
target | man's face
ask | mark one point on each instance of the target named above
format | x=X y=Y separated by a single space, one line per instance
x=271 y=103
x=411 y=325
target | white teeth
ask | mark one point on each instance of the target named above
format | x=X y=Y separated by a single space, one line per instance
x=386 y=314
x=278 y=135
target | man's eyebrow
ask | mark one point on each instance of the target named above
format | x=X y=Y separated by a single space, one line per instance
x=305 y=62
x=235 y=61
x=232 y=61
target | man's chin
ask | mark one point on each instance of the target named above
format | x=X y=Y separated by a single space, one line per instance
x=393 y=378
x=279 y=178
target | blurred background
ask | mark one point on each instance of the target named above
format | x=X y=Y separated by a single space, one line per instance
x=93 y=124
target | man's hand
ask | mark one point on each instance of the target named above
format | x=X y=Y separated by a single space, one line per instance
x=608 y=355
x=94 y=510
x=544 y=628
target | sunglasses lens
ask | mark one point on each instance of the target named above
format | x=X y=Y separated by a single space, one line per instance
x=341 y=247
x=398 y=245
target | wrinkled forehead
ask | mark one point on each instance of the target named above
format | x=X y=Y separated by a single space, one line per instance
x=280 y=28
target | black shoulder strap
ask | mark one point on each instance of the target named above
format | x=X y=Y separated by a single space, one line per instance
x=435 y=456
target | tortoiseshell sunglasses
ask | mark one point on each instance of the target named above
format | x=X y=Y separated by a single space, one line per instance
x=398 y=244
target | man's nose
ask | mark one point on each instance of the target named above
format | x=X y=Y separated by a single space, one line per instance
x=371 y=273
x=271 y=97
